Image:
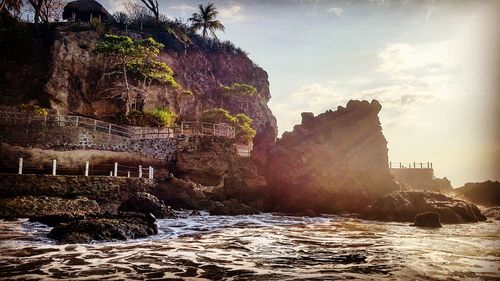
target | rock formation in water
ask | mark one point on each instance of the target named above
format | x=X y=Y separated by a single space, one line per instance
x=403 y=206
x=334 y=162
x=485 y=193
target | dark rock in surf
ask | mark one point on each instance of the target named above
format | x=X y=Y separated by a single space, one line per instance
x=429 y=219
x=123 y=226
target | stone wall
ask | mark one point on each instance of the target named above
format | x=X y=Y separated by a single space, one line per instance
x=421 y=178
x=96 y=187
x=71 y=138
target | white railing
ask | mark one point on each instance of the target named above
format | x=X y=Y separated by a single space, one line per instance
x=86 y=169
x=185 y=129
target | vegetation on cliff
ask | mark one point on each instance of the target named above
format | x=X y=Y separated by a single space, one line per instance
x=241 y=122
x=133 y=59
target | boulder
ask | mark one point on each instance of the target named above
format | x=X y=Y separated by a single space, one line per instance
x=403 y=206
x=428 y=219
x=231 y=208
x=123 y=226
x=182 y=194
x=146 y=203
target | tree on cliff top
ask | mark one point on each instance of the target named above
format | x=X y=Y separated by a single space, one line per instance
x=205 y=20
x=135 y=61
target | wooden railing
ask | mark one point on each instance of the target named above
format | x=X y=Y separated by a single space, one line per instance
x=185 y=128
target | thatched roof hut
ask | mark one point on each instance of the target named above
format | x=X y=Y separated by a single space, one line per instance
x=85 y=10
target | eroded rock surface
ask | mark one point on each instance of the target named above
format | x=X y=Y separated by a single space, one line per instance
x=31 y=206
x=123 y=226
x=336 y=161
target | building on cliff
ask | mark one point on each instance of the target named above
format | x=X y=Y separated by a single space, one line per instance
x=85 y=10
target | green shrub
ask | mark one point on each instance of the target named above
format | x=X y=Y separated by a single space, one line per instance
x=241 y=122
x=34 y=109
x=159 y=117
x=167 y=117
x=143 y=119
x=239 y=89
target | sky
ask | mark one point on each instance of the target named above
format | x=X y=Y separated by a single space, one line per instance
x=433 y=65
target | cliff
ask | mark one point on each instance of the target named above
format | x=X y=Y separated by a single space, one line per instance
x=334 y=162
x=56 y=68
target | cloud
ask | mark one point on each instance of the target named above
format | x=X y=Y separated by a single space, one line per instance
x=183 y=8
x=116 y=5
x=231 y=12
x=395 y=57
x=339 y=12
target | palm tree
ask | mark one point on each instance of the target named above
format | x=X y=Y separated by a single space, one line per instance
x=205 y=20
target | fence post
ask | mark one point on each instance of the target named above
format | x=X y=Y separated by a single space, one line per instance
x=214 y=129
x=54 y=165
x=95 y=125
x=116 y=169
x=421 y=165
x=400 y=165
x=431 y=165
x=390 y=165
x=110 y=173
x=87 y=168
x=140 y=171
x=20 y=166
x=77 y=117
x=109 y=129
x=128 y=174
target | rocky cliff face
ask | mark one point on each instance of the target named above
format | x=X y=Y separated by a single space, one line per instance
x=334 y=162
x=72 y=80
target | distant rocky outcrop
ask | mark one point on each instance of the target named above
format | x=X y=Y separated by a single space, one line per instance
x=484 y=193
x=336 y=161
x=403 y=206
